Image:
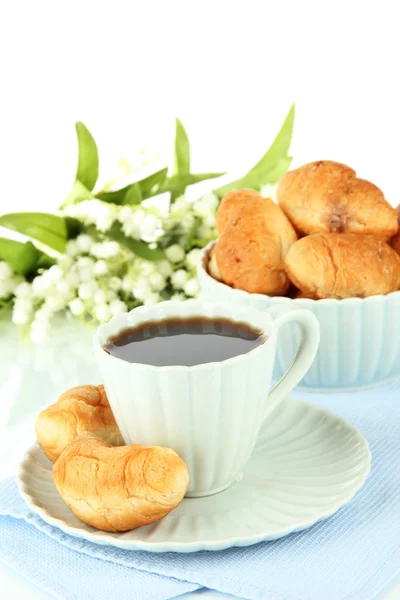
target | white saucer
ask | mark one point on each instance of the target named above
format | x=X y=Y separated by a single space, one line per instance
x=307 y=464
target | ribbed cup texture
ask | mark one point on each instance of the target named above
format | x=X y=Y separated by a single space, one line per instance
x=359 y=344
x=210 y=414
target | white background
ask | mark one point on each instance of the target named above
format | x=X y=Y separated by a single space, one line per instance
x=230 y=70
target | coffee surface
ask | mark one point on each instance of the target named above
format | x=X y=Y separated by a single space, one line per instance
x=185 y=342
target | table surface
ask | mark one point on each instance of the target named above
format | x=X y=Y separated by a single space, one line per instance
x=49 y=369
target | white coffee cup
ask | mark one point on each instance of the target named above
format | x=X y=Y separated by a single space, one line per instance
x=210 y=413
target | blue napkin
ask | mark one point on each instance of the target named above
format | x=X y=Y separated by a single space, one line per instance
x=351 y=556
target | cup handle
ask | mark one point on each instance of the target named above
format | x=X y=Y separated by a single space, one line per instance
x=310 y=334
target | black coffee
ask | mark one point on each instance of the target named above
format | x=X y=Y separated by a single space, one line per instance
x=186 y=342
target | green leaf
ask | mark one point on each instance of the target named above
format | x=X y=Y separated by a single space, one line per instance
x=136 y=192
x=74 y=227
x=272 y=166
x=22 y=257
x=181 y=157
x=78 y=193
x=131 y=194
x=51 y=230
x=152 y=183
x=174 y=183
x=255 y=179
x=182 y=150
x=138 y=247
x=281 y=144
x=88 y=160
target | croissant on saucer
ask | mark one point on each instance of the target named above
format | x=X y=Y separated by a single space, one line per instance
x=326 y=196
x=79 y=409
x=340 y=265
x=117 y=489
x=254 y=238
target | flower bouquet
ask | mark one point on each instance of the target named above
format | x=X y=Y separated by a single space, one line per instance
x=110 y=248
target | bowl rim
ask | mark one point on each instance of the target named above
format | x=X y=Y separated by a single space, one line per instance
x=203 y=273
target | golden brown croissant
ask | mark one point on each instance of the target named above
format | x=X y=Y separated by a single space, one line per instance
x=326 y=196
x=255 y=236
x=334 y=265
x=117 y=489
x=395 y=242
x=82 y=408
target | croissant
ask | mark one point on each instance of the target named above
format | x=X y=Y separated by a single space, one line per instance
x=334 y=265
x=117 y=489
x=326 y=196
x=255 y=236
x=81 y=408
x=395 y=242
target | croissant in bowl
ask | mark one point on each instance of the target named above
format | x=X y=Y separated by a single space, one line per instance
x=340 y=265
x=326 y=196
x=255 y=237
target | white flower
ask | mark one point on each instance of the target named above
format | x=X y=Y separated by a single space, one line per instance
x=111 y=295
x=131 y=225
x=269 y=191
x=55 y=302
x=40 y=325
x=127 y=283
x=87 y=290
x=85 y=262
x=63 y=289
x=72 y=278
x=141 y=289
x=178 y=297
x=146 y=267
x=191 y=287
x=187 y=222
x=204 y=232
x=22 y=310
x=192 y=258
x=111 y=249
x=101 y=214
x=180 y=205
x=100 y=268
x=117 y=307
x=157 y=282
x=211 y=200
x=102 y=312
x=76 y=307
x=72 y=248
x=209 y=220
x=84 y=242
x=152 y=299
x=151 y=228
x=55 y=273
x=40 y=285
x=23 y=290
x=179 y=279
x=100 y=297
x=42 y=315
x=175 y=253
x=106 y=249
x=20 y=317
x=114 y=283
x=164 y=267
x=5 y=270
x=201 y=208
x=23 y=304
